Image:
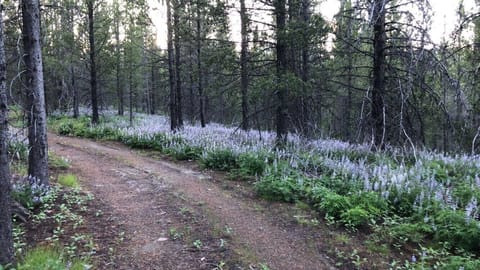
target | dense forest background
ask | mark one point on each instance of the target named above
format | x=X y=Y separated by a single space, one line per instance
x=372 y=75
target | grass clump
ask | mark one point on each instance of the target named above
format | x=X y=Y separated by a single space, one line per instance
x=17 y=150
x=68 y=180
x=57 y=162
x=50 y=258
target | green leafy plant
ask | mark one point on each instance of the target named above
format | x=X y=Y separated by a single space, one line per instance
x=334 y=204
x=222 y=160
x=459 y=262
x=249 y=165
x=29 y=192
x=184 y=152
x=355 y=217
x=409 y=232
x=453 y=228
x=278 y=188
x=198 y=244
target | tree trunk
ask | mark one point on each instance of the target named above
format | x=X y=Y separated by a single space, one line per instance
x=349 y=49
x=120 y=102
x=93 y=68
x=199 y=67
x=171 y=70
x=76 y=101
x=152 y=90
x=378 y=90
x=305 y=71
x=191 y=99
x=178 y=64
x=37 y=119
x=281 y=51
x=130 y=93
x=146 y=73
x=244 y=65
x=6 y=239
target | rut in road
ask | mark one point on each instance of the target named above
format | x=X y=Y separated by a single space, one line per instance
x=132 y=185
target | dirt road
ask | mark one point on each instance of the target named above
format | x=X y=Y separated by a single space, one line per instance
x=177 y=217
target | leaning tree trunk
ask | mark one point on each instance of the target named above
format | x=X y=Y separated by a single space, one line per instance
x=378 y=90
x=93 y=67
x=281 y=50
x=6 y=239
x=37 y=122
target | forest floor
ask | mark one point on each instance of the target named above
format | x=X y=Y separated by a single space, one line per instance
x=161 y=214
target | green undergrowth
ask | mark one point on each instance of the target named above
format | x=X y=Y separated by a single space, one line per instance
x=57 y=208
x=81 y=127
x=51 y=258
x=396 y=218
x=68 y=180
x=51 y=236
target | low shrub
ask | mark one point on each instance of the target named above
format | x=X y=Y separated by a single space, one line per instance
x=410 y=232
x=356 y=217
x=249 y=165
x=340 y=183
x=372 y=202
x=334 y=204
x=281 y=183
x=458 y=262
x=452 y=228
x=184 y=152
x=156 y=141
x=71 y=126
x=29 y=192
x=222 y=160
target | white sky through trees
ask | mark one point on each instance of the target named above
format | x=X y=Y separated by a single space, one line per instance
x=443 y=21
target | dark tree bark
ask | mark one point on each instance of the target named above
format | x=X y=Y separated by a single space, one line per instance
x=37 y=119
x=347 y=16
x=6 y=239
x=191 y=95
x=171 y=70
x=305 y=14
x=153 y=89
x=178 y=64
x=130 y=93
x=76 y=98
x=379 y=64
x=244 y=65
x=199 y=67
x=120 y=102
x=93 y=67
x=281 y=63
